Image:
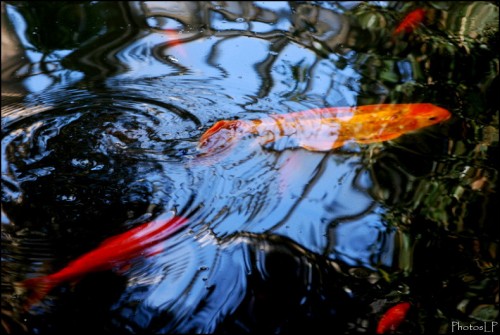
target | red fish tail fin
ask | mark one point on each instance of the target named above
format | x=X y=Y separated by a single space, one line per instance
x=37 y=288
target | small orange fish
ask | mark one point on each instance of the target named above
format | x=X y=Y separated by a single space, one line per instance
x=410 y=21
x=175 y=41
x=325 y=129
x=115 y=251
x=393 y=317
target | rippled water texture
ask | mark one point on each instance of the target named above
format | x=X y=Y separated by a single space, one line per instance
x=103 y=105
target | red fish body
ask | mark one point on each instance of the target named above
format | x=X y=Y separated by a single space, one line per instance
x=394 y=316
x=114 y=251
x=324 y=129
x=411 y=21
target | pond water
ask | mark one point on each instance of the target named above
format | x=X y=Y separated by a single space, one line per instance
x=103 y=105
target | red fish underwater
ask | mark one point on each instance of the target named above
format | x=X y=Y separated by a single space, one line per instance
x=394 y=316
x=411 y=21
x=325 y=129
x=113 y=252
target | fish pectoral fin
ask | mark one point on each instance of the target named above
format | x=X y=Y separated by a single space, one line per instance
x=315 y=143
x=311 y=144
x=281 y=144
x=321 y=146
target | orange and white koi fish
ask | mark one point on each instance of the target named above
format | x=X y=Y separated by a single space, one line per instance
x=411 y=21
x=114 y=252
x=393 y=317
x=325 y=129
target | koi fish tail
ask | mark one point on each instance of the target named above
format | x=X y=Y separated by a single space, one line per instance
x=221 y=136
x=37 y=289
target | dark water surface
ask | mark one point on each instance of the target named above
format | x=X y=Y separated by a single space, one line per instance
x=103 y=104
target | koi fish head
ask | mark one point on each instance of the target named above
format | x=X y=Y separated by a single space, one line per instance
x=427 y=114
x=220 y=137
x=376 y=123
x=410 y=117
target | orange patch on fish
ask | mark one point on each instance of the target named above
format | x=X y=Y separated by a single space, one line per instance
x=324 y=129
x=393 y=317
x=113 y=252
